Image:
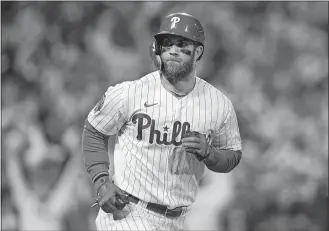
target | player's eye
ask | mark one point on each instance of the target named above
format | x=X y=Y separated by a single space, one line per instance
x=182 y=44
x=166 y=42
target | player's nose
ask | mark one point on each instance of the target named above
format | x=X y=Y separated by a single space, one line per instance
x=174 y=50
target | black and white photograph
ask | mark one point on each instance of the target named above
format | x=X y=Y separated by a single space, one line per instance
x=164 y=115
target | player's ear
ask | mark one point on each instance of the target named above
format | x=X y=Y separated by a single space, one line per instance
x=198 y=52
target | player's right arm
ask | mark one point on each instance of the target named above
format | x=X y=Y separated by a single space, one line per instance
x=104 y=120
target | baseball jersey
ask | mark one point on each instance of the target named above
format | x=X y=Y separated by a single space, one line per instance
x=148 y=120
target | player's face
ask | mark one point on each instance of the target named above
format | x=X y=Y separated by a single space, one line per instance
x=178 y=57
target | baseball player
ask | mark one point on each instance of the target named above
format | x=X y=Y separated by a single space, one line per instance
x=170 y=125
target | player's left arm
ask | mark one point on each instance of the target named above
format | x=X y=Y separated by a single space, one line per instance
x=222 y=153
x=225 y=150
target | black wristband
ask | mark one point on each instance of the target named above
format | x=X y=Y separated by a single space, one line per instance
x=99 y=176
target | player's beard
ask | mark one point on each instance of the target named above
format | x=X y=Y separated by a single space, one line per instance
x=175 y=72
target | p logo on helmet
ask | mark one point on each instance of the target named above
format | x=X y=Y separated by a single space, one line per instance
x=174 y=20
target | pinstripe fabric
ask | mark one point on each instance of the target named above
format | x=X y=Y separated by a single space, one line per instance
x=138 y=218
x=148 y=159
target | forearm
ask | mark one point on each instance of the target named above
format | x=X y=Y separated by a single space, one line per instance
x=222 y=161
x=95 y=151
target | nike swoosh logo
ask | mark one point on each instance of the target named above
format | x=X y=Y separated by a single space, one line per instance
x=149 y=105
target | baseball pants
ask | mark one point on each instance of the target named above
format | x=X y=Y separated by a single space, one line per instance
x=135 y=217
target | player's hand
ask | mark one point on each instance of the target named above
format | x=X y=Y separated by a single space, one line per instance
x=110 y=198
x=196 y=143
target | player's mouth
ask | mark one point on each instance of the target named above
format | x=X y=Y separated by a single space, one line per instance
x=173 y=60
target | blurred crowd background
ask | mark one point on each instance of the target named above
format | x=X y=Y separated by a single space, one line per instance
x=269 y=58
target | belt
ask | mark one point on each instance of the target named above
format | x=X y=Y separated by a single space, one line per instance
x=161 y=209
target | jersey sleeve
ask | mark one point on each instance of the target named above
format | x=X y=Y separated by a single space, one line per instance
x=109 y=114
x=228 y=137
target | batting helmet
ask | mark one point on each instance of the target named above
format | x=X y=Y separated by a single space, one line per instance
x=181 y=24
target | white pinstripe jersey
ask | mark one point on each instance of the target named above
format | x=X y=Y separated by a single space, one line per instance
x=149 y=161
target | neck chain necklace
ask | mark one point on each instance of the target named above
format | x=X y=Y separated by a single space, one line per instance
x=174 y=93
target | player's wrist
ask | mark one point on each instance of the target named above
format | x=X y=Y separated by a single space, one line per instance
x=206 y=155
x=210 y=159
x=100 y=180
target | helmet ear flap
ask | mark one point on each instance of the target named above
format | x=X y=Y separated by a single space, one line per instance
x=155 y=52
x=157 y=49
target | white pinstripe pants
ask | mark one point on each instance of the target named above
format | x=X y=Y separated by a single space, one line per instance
x=138 y=218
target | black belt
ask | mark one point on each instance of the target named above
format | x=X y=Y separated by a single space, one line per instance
x=162 y=209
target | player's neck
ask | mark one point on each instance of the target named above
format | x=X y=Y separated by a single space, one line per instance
x=181 y=87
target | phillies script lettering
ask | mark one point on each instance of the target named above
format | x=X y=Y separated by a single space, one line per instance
x=144 y=121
